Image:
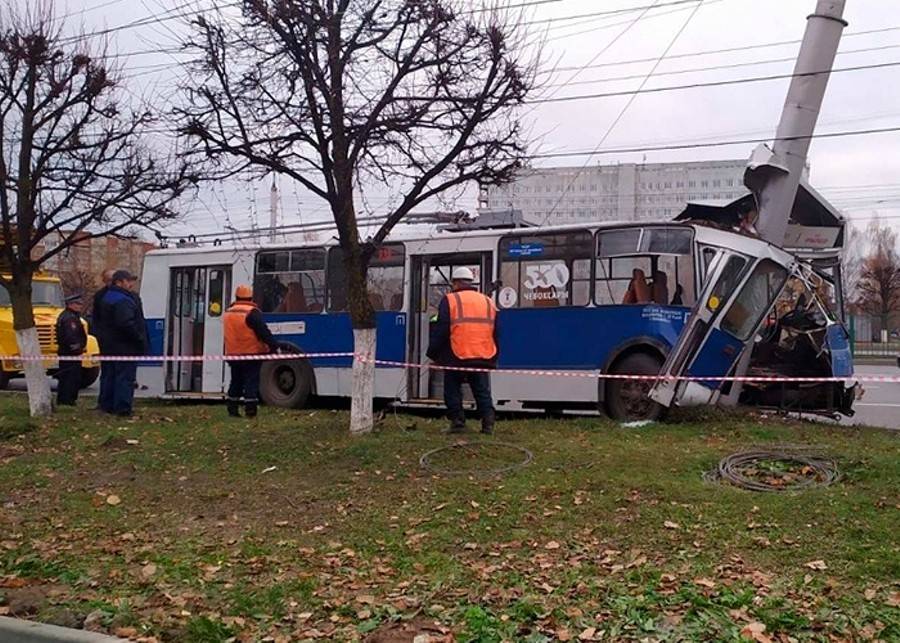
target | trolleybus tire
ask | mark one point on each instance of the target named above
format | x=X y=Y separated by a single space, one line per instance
x=286 y=383
x=627 y=401
x=89 y=375
x=4 y=380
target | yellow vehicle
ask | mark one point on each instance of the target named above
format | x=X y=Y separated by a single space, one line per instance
x=48 y=301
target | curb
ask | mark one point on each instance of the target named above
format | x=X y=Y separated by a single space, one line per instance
x=13 y=629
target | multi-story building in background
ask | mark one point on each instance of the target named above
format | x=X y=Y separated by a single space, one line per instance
x=80 y=265
x=622 y=192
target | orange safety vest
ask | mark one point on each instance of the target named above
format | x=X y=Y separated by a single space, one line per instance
x=472 y=317
x=239 y=337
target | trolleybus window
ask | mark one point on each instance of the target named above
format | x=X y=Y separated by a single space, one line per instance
x=291 y=281
x=547 y=270
x=650 y=265
x=753 y=301
x=385 y=278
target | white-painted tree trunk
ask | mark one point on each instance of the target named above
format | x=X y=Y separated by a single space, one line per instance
x=40 y=398
x=363 y=390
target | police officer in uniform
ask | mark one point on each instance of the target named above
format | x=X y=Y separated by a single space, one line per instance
x=465 y=335
x=246 y=333
x=71 y=339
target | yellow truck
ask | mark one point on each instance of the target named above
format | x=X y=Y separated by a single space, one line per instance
x=47 y=299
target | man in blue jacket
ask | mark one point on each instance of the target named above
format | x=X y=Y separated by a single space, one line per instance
x=125 y=334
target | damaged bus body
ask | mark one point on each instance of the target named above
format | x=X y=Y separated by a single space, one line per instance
x=799 y=334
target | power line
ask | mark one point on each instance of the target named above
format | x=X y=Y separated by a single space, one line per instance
x=708 y=52
x=693 y=70
x=717 y=83
x=693 y=146
x=612 y=12
x=631 y=99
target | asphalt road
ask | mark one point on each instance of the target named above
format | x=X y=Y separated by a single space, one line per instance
x=880 y=403
x=879 y=406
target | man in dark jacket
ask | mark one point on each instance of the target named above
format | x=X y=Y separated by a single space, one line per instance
x=124 y=333
x=466 y=334
x=97 y=329
x=71 y=340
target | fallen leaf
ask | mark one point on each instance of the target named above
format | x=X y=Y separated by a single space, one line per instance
x=893 y=600
x=4 y=610
x=474 y=504
x=552 y=545
x=818 y=565
x=756 y=632
x=563 y=634
x=870 y=594
x=126 y=632
x=113 y=500
x=147 y=571
x=704 y=582
x=671 y=525
x=269 y=469
x=588 y=634
x=365 y=599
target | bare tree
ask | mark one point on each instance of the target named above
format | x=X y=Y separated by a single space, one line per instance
x=418 y=95
x=73 y=164
x=878 y=287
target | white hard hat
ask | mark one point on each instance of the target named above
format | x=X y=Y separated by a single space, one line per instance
x=462 y=274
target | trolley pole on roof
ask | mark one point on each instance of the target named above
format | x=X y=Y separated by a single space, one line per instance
x=774 y=175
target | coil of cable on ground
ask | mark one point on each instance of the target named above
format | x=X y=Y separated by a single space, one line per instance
x=483 y=454
x=806 y=468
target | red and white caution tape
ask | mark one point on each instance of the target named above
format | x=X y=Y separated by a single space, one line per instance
x=400 y=364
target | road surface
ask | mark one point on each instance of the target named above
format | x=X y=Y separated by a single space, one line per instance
x=880 y=404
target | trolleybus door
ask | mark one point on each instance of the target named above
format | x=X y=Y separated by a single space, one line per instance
x=431 y=281
x=197 y=298
x=737 y=294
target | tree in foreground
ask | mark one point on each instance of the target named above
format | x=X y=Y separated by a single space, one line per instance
x=74 y=164
x=878 y=286
x=413 y=96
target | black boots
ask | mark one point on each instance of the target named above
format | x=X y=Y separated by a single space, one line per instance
x=457 y=423
x=487 y=422
x=234 y=408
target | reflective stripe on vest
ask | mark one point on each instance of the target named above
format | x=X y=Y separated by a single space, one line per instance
x=240 y=338
x=472 y=317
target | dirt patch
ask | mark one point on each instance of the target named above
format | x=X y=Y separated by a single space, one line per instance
x=8 y=453
x=27 y=600
x=115 y=443
x=417 y=630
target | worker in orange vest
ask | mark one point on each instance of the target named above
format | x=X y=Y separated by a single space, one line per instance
x=465 y=335
x=246 y=333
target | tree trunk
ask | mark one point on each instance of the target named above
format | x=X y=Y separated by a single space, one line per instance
x=40 y=398
x=362 y=419
x=362 y=316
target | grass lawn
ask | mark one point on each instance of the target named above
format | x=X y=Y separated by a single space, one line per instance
x=184 y=525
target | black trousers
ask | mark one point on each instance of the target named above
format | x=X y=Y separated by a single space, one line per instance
x=68 y=379
x=244 y=381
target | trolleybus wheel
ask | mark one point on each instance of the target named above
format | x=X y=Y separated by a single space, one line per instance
x=89 y=375
x=286 y=383
x=4 y=380
x=628 y=400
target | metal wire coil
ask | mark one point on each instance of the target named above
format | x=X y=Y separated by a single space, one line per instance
x=822 y=470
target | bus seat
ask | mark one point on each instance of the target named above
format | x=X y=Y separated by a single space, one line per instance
x=638 y=291
x=660 y=287
x=294 y=299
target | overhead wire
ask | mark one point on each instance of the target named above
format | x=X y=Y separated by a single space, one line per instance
x=631 y=100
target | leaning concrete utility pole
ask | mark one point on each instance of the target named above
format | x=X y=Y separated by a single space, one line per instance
x=774 y=176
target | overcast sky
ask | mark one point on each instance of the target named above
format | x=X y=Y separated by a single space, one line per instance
x=861 y=174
